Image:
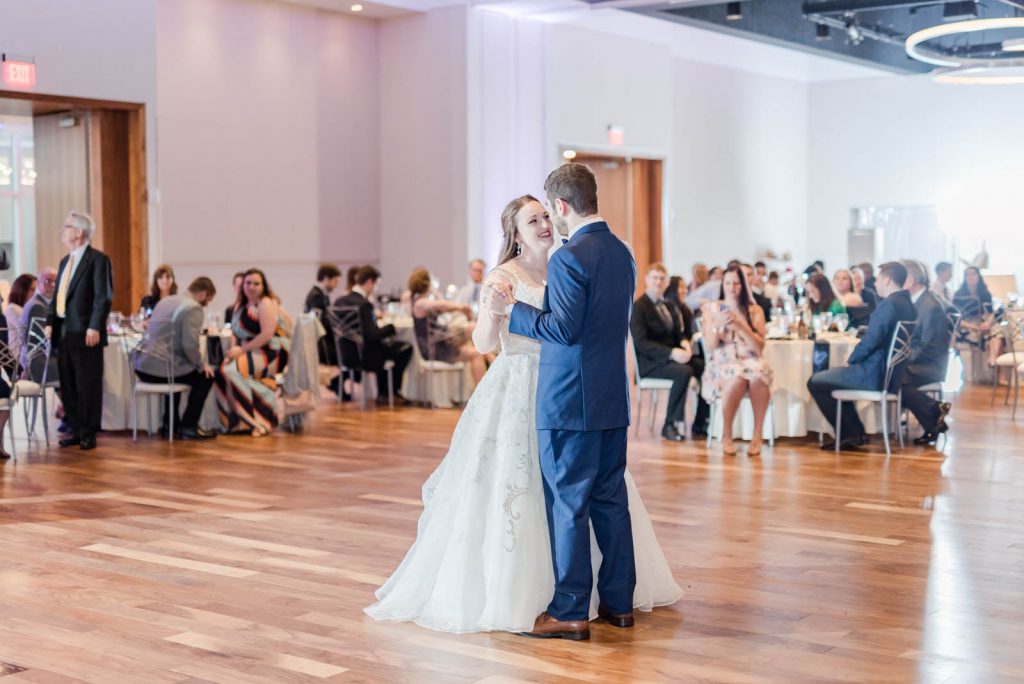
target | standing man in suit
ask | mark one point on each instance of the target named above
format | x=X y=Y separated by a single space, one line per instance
x=377 y=347
x=77 y=324
x=319 y=299
x=583 y=407
x=661 y=349
x=929 y=353
x=865 y=369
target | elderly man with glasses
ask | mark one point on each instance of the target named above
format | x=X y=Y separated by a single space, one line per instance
x=77 y=323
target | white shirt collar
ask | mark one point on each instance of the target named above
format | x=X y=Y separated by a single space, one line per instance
x=914 y=297
x=592 y=219
x=356 y=288
x=77 y=252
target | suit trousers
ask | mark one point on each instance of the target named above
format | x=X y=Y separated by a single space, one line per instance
x=925 y=408
x=81 y=383
x=199 y=388
x=401 y=354
x=584 y=484
x=679 y=374
x=821 y=385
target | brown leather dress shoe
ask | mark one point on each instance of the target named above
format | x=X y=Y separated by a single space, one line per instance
x=547 y=627
x=614 y=619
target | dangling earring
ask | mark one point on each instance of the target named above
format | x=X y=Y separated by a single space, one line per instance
x=519 y=249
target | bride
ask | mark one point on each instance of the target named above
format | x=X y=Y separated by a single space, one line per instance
x=482 y=556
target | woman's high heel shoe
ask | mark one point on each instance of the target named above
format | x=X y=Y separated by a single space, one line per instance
x=729 y=448
x=754 y=449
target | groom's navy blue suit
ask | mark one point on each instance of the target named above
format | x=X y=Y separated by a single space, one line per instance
x=583 y=416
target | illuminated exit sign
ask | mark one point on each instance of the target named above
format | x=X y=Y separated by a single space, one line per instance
x=19 y=73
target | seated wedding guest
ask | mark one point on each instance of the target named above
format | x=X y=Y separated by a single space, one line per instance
x=759 y=298
x=761 y=271
x=821 y=297
x=943 y=274
x=436 y=340
x=350 y=278
x=710 y=290
x=163 y=285
x=318 y=299
x=36 y=309
x=929 y=353
x=6 y=378
x=470 y=292
x=972 y=297
x=865 y=369
x=22 y=289
x=246 y=386
x=698 y=276
x=378 y=346
x=676 y=293
x=662 y=351
x=734 y=334
x=869 y=278
x=771 y=288
x=869 y=297
x=842 y=282
x=175 y=331
x=236 y=286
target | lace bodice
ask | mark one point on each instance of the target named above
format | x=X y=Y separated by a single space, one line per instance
x=525 y=291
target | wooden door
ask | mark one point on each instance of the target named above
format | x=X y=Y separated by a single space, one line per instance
x=62 y=178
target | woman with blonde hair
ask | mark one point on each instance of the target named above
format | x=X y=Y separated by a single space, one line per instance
x=842 y=283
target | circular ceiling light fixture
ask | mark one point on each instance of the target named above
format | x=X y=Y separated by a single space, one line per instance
x=963 y=69
x=974 y=75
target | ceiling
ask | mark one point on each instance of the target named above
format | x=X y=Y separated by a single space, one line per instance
x=882 y=24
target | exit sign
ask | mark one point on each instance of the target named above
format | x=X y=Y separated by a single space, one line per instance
x=19 y=73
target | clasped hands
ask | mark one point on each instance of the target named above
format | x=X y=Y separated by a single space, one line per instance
x=497 y=296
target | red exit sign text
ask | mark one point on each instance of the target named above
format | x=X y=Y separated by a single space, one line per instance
x=19 y=75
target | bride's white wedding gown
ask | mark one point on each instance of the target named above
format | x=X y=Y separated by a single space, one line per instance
x=482 y=556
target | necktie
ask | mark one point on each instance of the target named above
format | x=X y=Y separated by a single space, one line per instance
x=62 y=291
x=664 y=313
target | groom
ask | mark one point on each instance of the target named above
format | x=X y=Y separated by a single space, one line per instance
x=583 y=407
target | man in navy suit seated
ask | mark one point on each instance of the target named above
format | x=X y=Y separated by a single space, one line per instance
x=865 y=369
x=929 y=353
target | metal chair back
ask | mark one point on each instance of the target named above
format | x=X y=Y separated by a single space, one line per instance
x=36 y=347
x=899 y=352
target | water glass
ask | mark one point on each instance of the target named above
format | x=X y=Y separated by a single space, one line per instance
x=842 y=322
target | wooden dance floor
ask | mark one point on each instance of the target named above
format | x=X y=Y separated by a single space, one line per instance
x=250 y=560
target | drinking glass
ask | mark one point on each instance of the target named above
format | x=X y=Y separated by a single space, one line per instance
x=842 y=322
x=818 y=323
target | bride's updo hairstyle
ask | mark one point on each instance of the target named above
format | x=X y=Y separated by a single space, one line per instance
x=509 y=246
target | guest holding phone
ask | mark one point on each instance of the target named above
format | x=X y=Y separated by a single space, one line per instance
x=734 y=335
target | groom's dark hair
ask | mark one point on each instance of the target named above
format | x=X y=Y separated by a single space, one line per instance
x=576 y=184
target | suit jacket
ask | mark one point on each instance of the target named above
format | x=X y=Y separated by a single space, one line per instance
x=583 y=327
x=867 y=362
x=89 y=296
x=764 y=303
x=177 y=322
x=652 y=339
x=36 y=308
x=373 y=336
x=929 y=354
x=318 y=300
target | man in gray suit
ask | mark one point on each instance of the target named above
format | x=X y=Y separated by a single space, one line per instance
x=174 y=333
x=33 y=320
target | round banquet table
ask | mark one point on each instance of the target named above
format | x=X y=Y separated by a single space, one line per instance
x=117 y=389
x=796 y=414
x=445 y=390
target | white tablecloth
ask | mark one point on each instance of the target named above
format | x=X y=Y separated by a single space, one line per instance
x=117 y=391
x=796 y=414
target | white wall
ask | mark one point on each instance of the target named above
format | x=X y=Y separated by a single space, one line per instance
x=267 y=130
x=101 y=49
x=423 y=148
x=909 y=141
x=739 y=181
